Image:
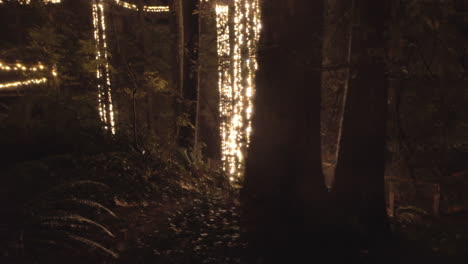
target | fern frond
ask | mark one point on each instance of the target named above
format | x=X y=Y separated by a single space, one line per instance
x=84 y=182
x=42 y=196
x=93 y=244
x=95 y=205
x=77 y=218
x=56 y=224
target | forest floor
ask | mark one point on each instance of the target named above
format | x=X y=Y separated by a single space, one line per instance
x=426 y=239
x=197 y=229
x=207 y=229
x=168 y=214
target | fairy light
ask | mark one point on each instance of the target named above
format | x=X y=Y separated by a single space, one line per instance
x=126 y=5
x=107 y=73
x=236 y=70
x=224 y=78
x=22 y=83
x=27 y=2
x=54 y=71
x=105 y=107
x=151 y=9
x=21 y=67
x=156 y=9
x=101 y=108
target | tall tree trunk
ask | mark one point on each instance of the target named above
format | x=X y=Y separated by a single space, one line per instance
x=179 y=26
x=284 y=197
x=147 y=88
x=361 y=154
x=189 y=69
x=208 y=116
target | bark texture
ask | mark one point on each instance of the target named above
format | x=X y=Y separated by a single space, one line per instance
x=361 y=154
x=284 y=192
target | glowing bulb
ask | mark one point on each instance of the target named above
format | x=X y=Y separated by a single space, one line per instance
x=105 y=104
x=22 y=83
x=236 y=71
x=151 y=9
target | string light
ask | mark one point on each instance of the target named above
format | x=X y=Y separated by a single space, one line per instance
x=126 y=5
x=27 y=2
x=236 y=70
x=106 y=108
x=54 y=71
x=153 y=9
x=21 y=67
x=22 y=83
x=156 y=9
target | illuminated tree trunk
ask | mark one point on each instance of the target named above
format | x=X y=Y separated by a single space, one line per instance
x=207 y=136
x=360 y=168
x=284 y=196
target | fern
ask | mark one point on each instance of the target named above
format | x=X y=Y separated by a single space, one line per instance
x=83 y=182
x=76 y=218
x=93 y=204
x=93 y=244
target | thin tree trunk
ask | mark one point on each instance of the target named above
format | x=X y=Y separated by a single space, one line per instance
x=147 y=88
x=190 y=69
x=177 y=23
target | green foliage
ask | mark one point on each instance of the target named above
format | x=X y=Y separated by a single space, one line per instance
x=55 y=218
x=155 y=80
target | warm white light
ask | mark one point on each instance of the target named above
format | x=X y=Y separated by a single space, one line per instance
x=152 y=9
x=22 y=83
x=27 y=2
x=156 y=9
x=20 y=67
x=236 y=70
x=54 y=72
x=106 y=108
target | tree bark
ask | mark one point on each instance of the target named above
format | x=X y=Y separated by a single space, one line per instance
x=142 y=38
x=207 y=136
x=189 y=69
x=361 y=155
x=284 y=196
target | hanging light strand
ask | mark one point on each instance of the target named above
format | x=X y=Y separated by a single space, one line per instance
x=106 y=109
x=101 y=108
x=107 y=71
x=224 y=77
x=236 y=80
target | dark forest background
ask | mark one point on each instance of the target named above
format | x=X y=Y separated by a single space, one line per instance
x=379 y=87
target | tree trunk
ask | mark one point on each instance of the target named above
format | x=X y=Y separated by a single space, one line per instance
x=142 y=38
x=189 y=31
x=207 y=136
x=284 y=197
x=361 y=155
